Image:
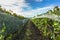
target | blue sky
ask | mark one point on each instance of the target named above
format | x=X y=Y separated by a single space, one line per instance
x=39 y=4
x=29 y=8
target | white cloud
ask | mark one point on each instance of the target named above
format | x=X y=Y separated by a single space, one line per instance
x=17 y=7
x=38 y=0
x=34 y=12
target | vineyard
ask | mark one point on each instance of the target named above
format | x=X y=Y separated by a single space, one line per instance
x=49 y=24
x=41 y=27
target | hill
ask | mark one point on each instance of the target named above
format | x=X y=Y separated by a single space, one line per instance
x=10 y=25
x=49 y=24
x=41 y=27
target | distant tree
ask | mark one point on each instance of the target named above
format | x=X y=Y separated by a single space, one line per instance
x=56 y=8
x=0 y=5
x=1 y=9
x=14 y=14
x=50 y=11
x=22 y=17
x=7 y=12
x=19 y=16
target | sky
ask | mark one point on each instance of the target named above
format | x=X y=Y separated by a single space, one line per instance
x=29 y=8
